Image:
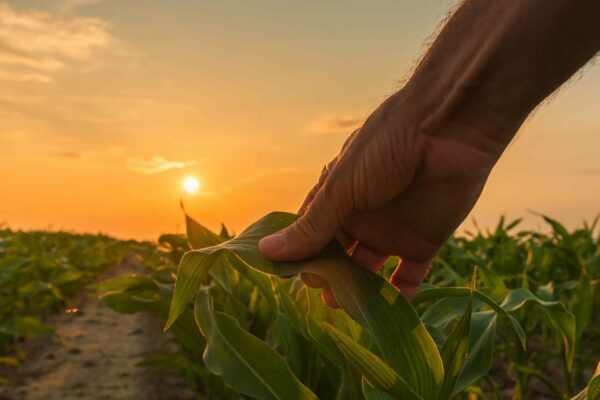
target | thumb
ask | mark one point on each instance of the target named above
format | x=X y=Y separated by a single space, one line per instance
x=308 y=235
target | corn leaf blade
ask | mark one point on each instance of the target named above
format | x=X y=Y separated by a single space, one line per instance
x=246 y=363
x=396 y=332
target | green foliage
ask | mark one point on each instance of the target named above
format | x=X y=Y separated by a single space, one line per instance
x=592 y=390
x=247 y=332
x=41 y=271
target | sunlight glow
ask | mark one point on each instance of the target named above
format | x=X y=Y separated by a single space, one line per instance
x=191 y=184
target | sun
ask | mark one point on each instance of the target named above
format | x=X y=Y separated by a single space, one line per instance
x=191 y=184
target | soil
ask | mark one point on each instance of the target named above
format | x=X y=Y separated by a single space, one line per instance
x=94 y=356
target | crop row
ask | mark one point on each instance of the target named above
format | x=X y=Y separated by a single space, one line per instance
x=40 y=272
x=526 y=313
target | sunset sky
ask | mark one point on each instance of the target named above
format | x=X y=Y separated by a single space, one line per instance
x=106 y=106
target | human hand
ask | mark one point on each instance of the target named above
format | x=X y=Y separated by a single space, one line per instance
x=394 y=189
x=412 y=173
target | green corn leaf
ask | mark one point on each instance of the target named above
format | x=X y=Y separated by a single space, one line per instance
x=318 y=313
x=36 y=288
x=494 y=281
x=225 y=276
x=173 y=241
x=296 y=312
x=482 y=335
x=192 y=270
x=541 y=377
x=260 y=280
x=557 y=227
x=562 y=320
x=592 y=390
x=294 y=347
x=582 y=303
x=373 y=368
x=317 y=316
x=372 y=393
x=184 y=329
x=225 y=234
x=199 y=236
x=233 y=307
x=351 y=387
x=454 y=352
x=246 y=363
x=173 y=361
x=27 y=327
x=126 y=283
x=481 y=349
x=67 y=277
x=395 y=329
x=440 y=293
x=444 y=311
x=438 y=335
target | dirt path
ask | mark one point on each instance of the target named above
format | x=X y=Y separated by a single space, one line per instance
x=96 y=359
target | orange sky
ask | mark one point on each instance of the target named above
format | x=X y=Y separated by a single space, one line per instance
x=105 y=106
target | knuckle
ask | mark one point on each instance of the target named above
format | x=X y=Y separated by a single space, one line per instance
x=307 y=228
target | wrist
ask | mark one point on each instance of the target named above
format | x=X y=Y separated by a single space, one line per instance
x=418 y=105
x=461 y=113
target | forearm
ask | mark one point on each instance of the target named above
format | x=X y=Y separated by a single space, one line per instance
x=495 y=61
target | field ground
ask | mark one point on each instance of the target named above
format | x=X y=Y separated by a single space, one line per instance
x=94 y=356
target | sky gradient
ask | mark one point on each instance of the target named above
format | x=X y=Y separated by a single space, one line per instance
x=106 y=106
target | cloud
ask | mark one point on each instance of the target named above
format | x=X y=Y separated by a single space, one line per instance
x=35 y=44
x=155 y=165
x=336 y=124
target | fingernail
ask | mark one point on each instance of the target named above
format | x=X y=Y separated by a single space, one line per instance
x=273 y=244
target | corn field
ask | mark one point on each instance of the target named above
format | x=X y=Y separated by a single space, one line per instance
x=504 y=314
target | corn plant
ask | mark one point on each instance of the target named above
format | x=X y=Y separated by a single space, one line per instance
x=41 y=271
x=245 y=331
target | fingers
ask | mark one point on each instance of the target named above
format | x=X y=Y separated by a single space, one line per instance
x=329 y=298
x=313 y=280
x=311 y=195
x=368 y=258
x=407 y=278
x=316 y=282
x=363 y=255
x=347 y=241
x=309 y=198
x=316 y=226
x=409 y=275
x=309 y=234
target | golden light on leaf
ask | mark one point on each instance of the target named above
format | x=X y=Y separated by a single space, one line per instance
x=191 y=184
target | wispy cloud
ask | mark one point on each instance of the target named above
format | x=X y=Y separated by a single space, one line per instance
x=155 y=165
x=336 y=124
x=34 y=44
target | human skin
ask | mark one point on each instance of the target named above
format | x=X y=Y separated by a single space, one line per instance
x=411 y=174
